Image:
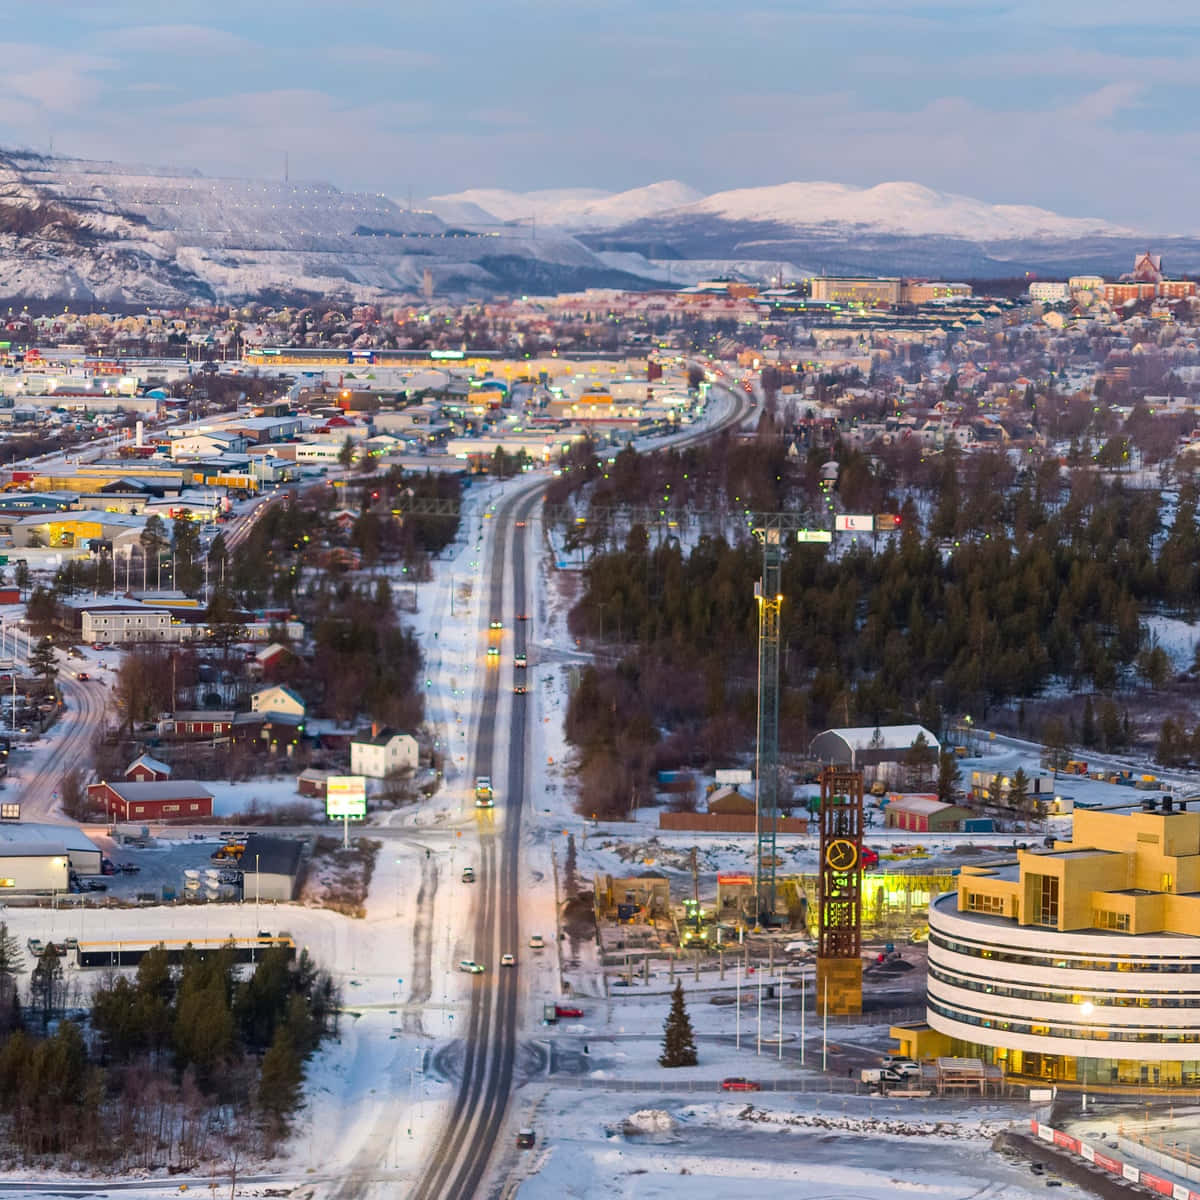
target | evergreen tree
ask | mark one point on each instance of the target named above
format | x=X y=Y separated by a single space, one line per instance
x=949 y=777
x=571 y=870
x=279 y=1081
x=346 y=453
x=42 y=661
x=1087 y=730
x=1019 y=797
x=154 y=541
x=679 y=1043
x=11 y=965
x=46 y=986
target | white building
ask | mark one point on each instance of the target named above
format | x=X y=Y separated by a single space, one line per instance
x=126 y=621
x=277 y=699
x=382 y=754
x=1046 y=291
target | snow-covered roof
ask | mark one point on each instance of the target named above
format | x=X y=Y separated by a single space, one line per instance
x=919 y=805
x=891 y=737
x=150 y=763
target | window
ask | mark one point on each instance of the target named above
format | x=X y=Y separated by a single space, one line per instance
x=1045 y=900
x=1103 y=919
x=981 y=902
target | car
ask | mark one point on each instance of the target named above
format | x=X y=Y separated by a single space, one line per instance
x=507 y=960
x=96 y=885
x=493 y=652
x=525 y=1139
x=107 y=867
x=496 y=624
x=520 y=661
x=468 y=875
x=735 y=1083
x=522 y=616
x=71 y=943
x=537 y=942
x=566 y=1010
x=520 y=690
x=97 y=645
x=901 y=1066
x=83 y=677
x=470 y=966
x=520 y=524
x=35 y=947
x=130 y=868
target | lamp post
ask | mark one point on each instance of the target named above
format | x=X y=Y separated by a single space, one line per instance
x=256 y=892
x=1085 y=1010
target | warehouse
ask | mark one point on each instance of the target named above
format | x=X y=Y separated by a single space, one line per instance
x=55 y=840
x=871 y=745
x=923 y=814
x=270 y=868
x=33 y=867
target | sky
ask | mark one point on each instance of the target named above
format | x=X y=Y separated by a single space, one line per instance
x=1089 y=109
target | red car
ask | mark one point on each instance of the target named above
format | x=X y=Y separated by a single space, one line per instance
x=738 y=1084
x=561 y=1010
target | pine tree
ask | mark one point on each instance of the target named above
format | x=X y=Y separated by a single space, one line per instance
x=42 y=661
x=46 y=985
x=679 y=1044
x=279 y=1081
x=1087 y=730
x=571 y=870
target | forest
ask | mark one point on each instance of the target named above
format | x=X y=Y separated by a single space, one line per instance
x=170 y=1067
x=999 y=584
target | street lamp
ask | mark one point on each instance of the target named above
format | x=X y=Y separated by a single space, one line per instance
x=1085 y=1010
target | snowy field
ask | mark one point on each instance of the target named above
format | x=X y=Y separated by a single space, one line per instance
x=746 y=1147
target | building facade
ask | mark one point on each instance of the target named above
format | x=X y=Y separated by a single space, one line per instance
x=383 y=754
x=1078 y=964
x=868 y=291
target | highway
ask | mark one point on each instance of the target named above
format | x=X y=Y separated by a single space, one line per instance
x=458 y=1165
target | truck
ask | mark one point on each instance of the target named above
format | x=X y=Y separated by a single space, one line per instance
x=882 y=1076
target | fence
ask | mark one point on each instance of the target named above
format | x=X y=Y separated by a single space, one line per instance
x=1114 y=1166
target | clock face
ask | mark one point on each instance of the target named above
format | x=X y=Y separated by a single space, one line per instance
x=841 y=854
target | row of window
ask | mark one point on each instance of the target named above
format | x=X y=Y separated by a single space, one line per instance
x=1104 y=919
x=1068 y=961
x=1076 y=1032
x=1109 y=999
x=981 y=902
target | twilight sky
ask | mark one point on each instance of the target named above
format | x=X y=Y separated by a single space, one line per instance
x=1088 y=108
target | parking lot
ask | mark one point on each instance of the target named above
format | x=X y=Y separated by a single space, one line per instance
x=161 y=866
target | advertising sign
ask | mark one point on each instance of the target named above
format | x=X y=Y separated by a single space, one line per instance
x=814 y=535
x=887 y=522
x=854 y=523
x=346 y=796
x=735 y=880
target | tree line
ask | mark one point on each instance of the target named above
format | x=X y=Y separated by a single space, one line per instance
x=170 y=1066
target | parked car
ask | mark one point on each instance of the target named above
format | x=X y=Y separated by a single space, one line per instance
x=71 y=943
x=902 y=1066
x=96 y=885
x=565 y=1010
x=735 y=1083
x=537 y=942
x=35 y=947
x=470 y=966
x=107 y=867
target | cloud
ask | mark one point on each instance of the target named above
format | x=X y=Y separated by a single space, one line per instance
x=1104 y=103
x=64 y=84
x=391 y=57
x=173 y=39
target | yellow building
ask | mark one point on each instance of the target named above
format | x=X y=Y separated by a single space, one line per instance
x=866 y=291
x=1079 y=963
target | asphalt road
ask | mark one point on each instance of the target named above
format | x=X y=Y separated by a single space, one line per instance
x=458 y=1166
x=464 y=1149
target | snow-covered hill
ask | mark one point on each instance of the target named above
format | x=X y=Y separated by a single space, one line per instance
x=897 y=208
x=579 y=209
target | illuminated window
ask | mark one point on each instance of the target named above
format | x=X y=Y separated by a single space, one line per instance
x=1103 y=919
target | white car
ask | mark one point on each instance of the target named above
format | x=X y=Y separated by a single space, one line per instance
x=537 y=942
x=507 y=960
x=470 y=966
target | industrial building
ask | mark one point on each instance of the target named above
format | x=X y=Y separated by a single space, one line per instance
x=1078 y=964
x=271 y=868
x=870 y=745
x=29 y=851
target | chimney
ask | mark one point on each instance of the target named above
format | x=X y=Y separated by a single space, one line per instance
x=374 y=729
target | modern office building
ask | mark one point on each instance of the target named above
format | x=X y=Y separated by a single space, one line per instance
x=1080 y=963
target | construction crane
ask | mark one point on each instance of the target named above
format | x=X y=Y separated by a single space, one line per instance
x=773 y=531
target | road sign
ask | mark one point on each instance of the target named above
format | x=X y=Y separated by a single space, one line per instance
x=853 y=523
x=814 y=535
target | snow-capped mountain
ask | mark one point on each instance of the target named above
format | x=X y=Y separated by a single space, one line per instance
x=908 y=209
x=576 y=209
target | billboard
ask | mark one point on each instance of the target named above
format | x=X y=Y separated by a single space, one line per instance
x=346 y=796
x=854 y=523
x=814 y=535
x=886 y=522
x=734 y=776
x=735 y=880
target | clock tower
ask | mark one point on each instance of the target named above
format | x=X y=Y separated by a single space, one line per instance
x=839 y=907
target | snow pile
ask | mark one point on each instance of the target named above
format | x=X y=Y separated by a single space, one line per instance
x=649 y=1120
x=959 y=1129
